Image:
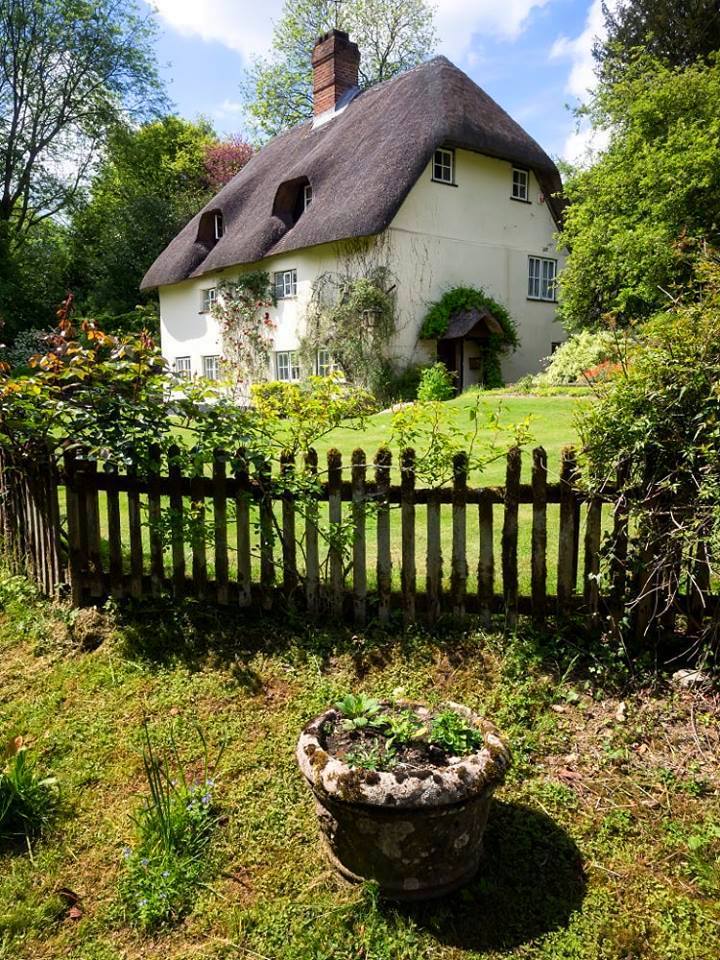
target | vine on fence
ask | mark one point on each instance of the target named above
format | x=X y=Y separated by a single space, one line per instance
x=242 y=311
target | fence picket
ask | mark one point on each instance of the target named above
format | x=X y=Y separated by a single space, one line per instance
x=618 y=562
x=383 y=463
x=408 y=575
x=567 y=537
x=92 y=507
x=486 y=559
x=459 y=574
x=135 y=530
x=197 y=535
x=242 y=530
x=289 y=543
x=510 y=537
x=593 y=529
x=312 y=551
x=114 y=539
x=359 y=476
x=538 y=550
x=267 y=537
x=157 y=565
x=177 y=524
x=72 y=509
x=434 y=558
x=220 y=526
x=335 y=552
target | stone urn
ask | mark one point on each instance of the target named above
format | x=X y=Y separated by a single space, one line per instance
x=415 y=830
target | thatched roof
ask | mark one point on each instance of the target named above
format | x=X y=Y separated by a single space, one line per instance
x=472 y=322
x=361 y=165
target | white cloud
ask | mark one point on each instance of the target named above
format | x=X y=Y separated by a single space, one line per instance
x=241 y=25
x=458 y=20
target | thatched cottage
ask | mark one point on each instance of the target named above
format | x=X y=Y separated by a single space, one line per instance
x=452 y=189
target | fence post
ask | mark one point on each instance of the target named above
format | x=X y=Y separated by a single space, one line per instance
x=434 y=556
x=312 y=552
x=73 y=521
x=53 y=512
x=135 y=528
x=114 y=534
x=593 y=528
x=539 y=536
x=567 y=539
x=220 y=525
x=458 y=580
x=407 y=515
x=177 y=521
x=92 y=508
x=335 y=551
x=289 y=542
x=486 y=558
x=359 y=471
x=383 y=462
x=267 y=537
x=242 y=529
x=197 y=535
x=510 y=537
x=157 y=565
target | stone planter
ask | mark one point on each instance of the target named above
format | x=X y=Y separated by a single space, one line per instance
x=417 y=832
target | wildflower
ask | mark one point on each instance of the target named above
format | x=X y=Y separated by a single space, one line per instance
x=145 y=861
x=206 y=799
x=166 y=873
x=127 y=852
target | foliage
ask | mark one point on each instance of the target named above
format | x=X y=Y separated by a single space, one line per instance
x=174 y=827
x=438 y=317
x=635 y=216
x=358 y=711
x=28 y=343
x=677 y=34
x=28 y=801
x=151 y=181
x=577 y=356
x=225 y=159
x=242 y=312
x=393 y=384
x=355 y=319
x=453 y=733
x=658 y=423
x=403 y=727
x=393 y=35
x=436 y=383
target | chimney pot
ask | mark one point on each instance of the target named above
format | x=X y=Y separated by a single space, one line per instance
x=336 y=64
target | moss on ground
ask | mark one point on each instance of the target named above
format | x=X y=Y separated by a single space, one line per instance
x=603 y=845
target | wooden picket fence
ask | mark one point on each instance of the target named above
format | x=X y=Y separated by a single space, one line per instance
x=100 y=533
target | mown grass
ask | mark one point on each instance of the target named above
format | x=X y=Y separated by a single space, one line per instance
x=602 y=845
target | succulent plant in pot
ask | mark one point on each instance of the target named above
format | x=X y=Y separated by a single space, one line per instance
x=402 y=791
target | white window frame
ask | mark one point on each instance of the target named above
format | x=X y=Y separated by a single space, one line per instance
x=307 y=195
x=209 y=299
x=443 y=166
x=218 y=225
x=287 y=366
x=183 y=367
x=542 y=277
x=324 y=363
x=211 y=366
x=520 y=184
x=285 y=284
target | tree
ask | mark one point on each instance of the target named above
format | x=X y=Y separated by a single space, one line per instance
x=151 y=181
x=636 y=216
x=677 y=34
x=393 y=35
x=223 y=160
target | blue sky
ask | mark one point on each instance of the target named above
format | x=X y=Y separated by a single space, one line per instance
x=532 y=56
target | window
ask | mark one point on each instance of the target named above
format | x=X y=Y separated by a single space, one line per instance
x=287 y=365
x=541 y=278
x=324 y=363
x=183 y=368
x=307 y=196
x=209 y=299
x=285 y=284
x=444 y=166
x=211 y=368
x=218 y=225
x=520 y=184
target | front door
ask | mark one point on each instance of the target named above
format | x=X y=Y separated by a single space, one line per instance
x=449 y=354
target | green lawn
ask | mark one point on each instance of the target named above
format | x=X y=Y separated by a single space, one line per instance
x=602 y=845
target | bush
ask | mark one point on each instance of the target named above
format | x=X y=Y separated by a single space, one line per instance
x=578 y=358
x=436 y=383
x=28 y=801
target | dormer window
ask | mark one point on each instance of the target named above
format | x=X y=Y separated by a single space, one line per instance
x=218 y=223
x=520 y=180
x=211 y=228
x=292 y=200
x=443 y=167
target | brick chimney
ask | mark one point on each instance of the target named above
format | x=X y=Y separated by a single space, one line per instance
x=336 y=61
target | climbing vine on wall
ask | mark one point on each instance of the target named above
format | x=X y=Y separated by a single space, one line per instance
x=458 y=299
x=242 y=312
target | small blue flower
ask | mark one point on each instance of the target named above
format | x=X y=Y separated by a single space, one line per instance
x=206 y=800
x=166 y=873
x=210 y=782
x=127 y=852
x=144 y=861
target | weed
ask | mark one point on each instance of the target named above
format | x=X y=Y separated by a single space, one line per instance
x=449 y=731
x=370 y=757
x=28 y=801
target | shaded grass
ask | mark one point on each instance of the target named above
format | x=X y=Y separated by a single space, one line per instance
x=588 y=847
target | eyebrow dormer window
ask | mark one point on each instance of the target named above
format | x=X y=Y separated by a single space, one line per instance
x=307 y=196
x=211 y=228
x=218 y=224
x=292 y=200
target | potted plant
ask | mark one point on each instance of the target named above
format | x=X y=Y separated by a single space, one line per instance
x=402 y=791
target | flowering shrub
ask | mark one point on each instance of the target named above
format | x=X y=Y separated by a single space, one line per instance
x=242 y=312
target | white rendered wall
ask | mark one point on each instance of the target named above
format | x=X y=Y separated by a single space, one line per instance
x=443 y=236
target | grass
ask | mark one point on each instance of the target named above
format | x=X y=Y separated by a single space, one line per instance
x=603 y=844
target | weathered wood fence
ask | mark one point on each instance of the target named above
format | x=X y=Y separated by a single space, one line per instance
x=103 y=533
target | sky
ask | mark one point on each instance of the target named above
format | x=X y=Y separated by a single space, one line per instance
x=532 y=56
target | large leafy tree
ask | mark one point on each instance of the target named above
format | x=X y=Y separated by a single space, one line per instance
x=675 y=33
x=151 y=181
x=393 y=35
x=639 y=215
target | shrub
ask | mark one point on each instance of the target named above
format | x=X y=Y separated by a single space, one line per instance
x=577 y=359
x=436 y=383
x=28 y=801
x=174 y=826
